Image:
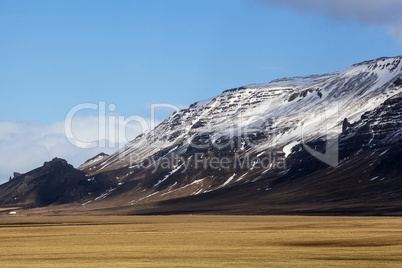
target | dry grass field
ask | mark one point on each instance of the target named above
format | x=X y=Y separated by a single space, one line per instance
x=200 y=241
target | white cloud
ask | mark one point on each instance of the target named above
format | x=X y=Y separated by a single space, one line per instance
x=381 y=13
x=26 y=145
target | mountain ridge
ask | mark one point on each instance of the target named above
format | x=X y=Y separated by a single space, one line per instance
x=282 y=123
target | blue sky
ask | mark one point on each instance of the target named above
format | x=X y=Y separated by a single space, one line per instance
x=55 y=55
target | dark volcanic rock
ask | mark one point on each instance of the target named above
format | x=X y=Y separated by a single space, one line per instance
x=56 y=182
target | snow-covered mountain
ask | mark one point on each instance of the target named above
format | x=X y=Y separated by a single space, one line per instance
x=262 y=138
x=281 y=112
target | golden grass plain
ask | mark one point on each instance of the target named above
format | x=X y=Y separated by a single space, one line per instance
x=200 y=241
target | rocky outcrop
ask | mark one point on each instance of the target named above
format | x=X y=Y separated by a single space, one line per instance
x=56 y=182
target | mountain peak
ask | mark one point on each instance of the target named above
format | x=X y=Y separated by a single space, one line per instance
x=94 y=159
x=56 y=161
x=390 y=64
